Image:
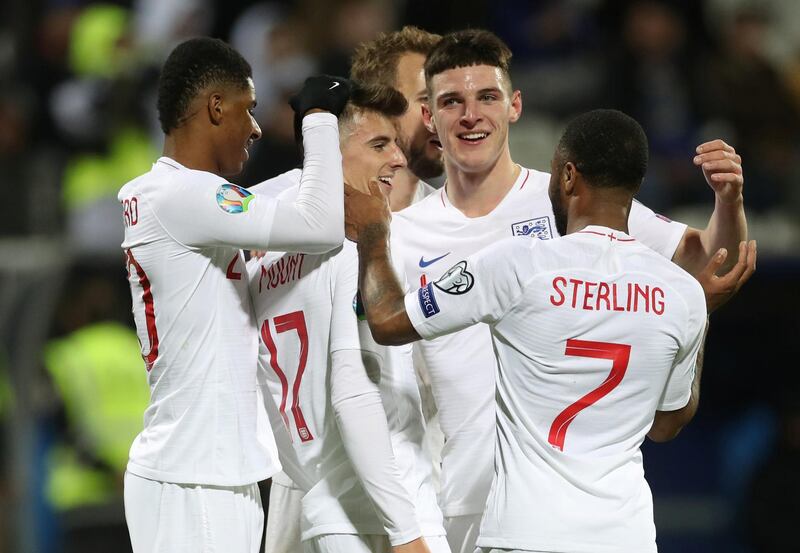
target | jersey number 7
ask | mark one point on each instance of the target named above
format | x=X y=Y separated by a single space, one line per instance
x=296 y=321
x=619 y=354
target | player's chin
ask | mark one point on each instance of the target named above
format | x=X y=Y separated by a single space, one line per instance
x=231 y=169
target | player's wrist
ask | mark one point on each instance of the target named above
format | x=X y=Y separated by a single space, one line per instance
x=373 y=239
x=729 y=201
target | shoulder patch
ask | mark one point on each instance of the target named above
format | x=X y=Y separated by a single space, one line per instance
x=538 y=227
x=232 y=198
x=457 y=280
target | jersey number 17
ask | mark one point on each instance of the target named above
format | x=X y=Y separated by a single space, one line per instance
x=296 y=321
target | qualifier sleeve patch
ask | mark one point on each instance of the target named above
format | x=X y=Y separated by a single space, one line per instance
x=457 y=280
x=427 y=301
x=232 y=198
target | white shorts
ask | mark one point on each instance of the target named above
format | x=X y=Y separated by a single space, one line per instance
x=347 y=543
x=283 y=519
x=493 y=550
x=462 y=532
x=190 y=518
x=354 y=543
x=437 y=544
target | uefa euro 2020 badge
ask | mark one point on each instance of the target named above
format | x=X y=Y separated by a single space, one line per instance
x=232 y=198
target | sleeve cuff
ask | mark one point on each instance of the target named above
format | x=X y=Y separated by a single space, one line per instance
x=414 y=304
x=406 y=536
x=314 y=120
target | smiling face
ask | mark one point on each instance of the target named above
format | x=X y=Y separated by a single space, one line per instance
x=370 y=150
x=471 y=109
x=239 y=128
x=421 y=146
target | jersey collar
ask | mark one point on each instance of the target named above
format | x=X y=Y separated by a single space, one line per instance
x=610 y=234
x=170 y=162
x=519 y=184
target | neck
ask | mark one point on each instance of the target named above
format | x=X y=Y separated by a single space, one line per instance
x=476 y=194
x=605 y=208
x=404 y=186
x=192 y=154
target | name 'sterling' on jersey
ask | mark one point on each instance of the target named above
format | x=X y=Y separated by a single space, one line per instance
x=604 y=296
x=286 y=269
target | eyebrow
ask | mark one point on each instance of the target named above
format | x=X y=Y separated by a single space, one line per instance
x=448 y=95
x=379 y=138
x=493 y=89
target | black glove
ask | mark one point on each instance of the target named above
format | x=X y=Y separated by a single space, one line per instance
x=322 y=92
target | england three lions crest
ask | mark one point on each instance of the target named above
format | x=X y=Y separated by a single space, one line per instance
x=538 y=228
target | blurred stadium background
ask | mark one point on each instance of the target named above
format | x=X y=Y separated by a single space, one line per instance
x=77 y=120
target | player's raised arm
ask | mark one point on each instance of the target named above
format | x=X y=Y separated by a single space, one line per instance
x=722 y=169
x=197 y=207
x=314 y=221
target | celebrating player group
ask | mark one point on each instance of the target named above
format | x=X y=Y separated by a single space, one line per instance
x=473 y=372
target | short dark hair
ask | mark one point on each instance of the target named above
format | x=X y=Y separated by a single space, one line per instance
x=381 y=99
x=466 y=48
x=192 y=66
x=608 y=147
x=375 y=61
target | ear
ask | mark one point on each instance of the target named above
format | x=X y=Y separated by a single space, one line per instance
x=427 y=118
x=515 y=107
x=569 y=177
x=214 y=106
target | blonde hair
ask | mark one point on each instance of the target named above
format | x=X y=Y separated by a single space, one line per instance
x=375 y=62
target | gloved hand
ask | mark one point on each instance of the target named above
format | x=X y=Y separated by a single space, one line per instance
x=322 y=92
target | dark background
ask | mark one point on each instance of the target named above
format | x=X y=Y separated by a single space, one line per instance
x=77 y=121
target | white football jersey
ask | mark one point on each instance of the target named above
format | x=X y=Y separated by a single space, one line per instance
x=205 y=423
x=305 y=308
x=400 y=395
x=593 y=333
x=429 y=235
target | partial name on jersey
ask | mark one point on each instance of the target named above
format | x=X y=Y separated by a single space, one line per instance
x=287 y=268
x=538 y=227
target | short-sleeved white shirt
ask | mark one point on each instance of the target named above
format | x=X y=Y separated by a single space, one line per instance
x=432 y=233
x=593 y=333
